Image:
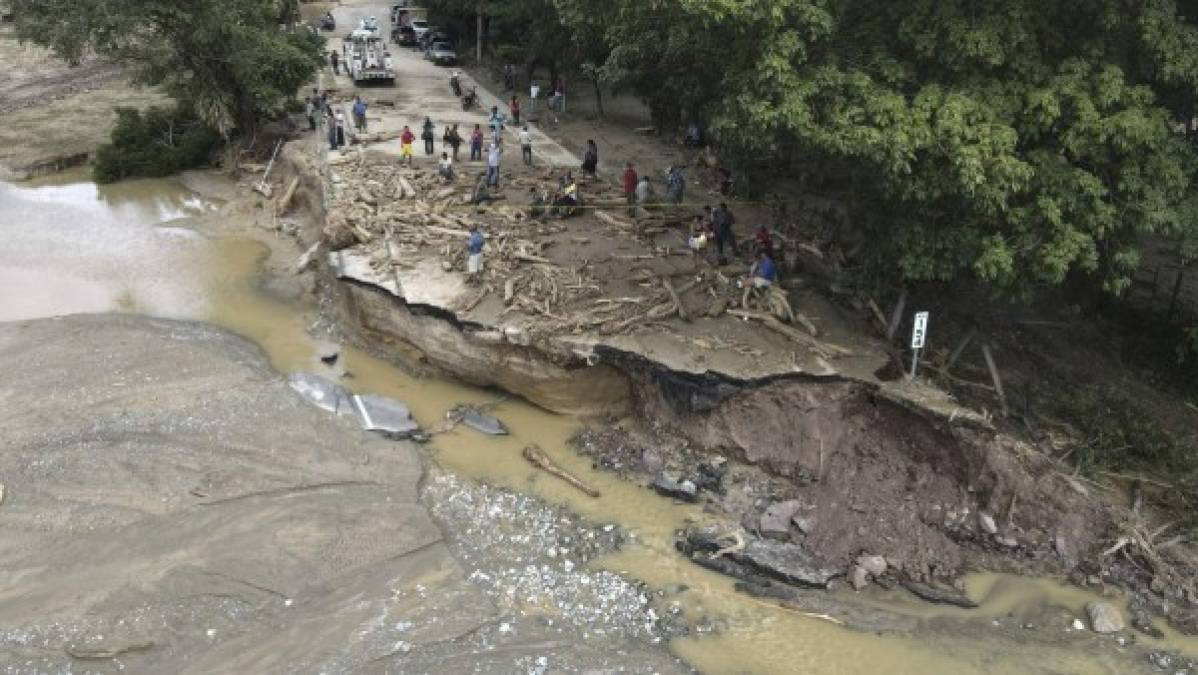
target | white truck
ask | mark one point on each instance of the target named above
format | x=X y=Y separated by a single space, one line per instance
x=367 y=58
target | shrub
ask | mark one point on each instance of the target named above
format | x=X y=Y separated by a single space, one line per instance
x=156 y=142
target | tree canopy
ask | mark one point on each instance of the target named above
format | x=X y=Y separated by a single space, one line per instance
x=1016 y=143
x=228 y=60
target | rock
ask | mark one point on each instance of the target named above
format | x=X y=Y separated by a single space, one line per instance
x=652 y=460
x=386 y=416
x=785 y=562
x=328 y=352
x=1078 y=624
x=1009 y=542
x=1142 y=621
x=938 y=594
x=858 y=577
x=775 y=522
x=874 y=564
x=806 y=524
x=1104 y=618
x=321 y=393
x=484 y=423
x=986 y=522
x=672 y=484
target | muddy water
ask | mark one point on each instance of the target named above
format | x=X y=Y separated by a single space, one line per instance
x=68 y=246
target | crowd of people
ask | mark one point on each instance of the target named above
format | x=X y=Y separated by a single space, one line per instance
x=710 y=226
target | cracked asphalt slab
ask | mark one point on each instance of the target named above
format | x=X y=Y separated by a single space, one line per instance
x=172 y=506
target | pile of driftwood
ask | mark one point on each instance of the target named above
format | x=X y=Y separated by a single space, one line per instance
x=402 y=215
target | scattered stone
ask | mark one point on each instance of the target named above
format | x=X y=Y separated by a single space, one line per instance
x=1142 y=621
x=328 y=352
x=775 y=522
x=1078 y=624
x=1008 y=541
x=986 y=522
x=652 y=460
x=874 y=564
x=858 y=577
x=1104 y=618
x=938 y=594
x=671 y=484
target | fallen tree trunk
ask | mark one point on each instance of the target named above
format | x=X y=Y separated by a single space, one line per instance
x=539 y=459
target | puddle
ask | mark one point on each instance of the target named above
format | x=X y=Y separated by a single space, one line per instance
x=68 y=246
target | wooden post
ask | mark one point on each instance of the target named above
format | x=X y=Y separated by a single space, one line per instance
x=952 y=359
x=1002 y=397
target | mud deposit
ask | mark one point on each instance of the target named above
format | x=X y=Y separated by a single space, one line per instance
x=168 y=497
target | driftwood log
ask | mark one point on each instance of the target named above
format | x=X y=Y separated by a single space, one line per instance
x=537 y=457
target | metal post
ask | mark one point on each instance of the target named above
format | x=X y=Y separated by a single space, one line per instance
x=914 y=362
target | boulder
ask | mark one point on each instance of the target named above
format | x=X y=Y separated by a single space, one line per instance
x=784 y=562
x=986 y=522
x=671 y=484
x=1104 y=618
x=874 y=564
x=775 y=521
x=858 y=577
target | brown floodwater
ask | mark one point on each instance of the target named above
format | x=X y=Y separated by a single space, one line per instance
x=69 y=246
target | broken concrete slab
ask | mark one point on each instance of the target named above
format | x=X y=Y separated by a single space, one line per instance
x=321 y=392
x=874 y=564
x=482 y=422
x=385 y=415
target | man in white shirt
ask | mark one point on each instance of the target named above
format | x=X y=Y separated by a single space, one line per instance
x=526 y=146
x=534 y=92
x=493 y=156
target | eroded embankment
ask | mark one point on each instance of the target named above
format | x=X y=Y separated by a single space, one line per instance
x=934 y=491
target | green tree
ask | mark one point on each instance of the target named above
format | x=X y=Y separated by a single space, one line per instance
x=1017 y=143
x=228 y=60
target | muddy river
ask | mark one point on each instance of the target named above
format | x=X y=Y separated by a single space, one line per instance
x=69 y=246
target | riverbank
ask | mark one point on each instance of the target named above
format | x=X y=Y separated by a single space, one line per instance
x=819 y=420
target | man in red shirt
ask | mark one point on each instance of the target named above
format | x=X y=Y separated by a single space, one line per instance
x=630 y=180
x=514 y=108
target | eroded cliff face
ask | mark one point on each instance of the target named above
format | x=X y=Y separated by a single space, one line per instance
x=558 y=382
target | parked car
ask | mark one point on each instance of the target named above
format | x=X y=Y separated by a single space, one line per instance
x=404 y=36
x=442 y=54
x=420 y=26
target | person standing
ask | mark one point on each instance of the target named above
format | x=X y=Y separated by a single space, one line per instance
x=493 y=157
x=331 y=122
x=359 y=114
x=590 y=160
x=406 y=139
x=427 y=136
x=340 y=120
x=310 y=111
x=644 y=192
x=514 y=108
x=526 y=146
x=630 y=181
x=534 y=92
x=474 y=254
x=476 y=144
x=677 y=184
x=723 y=220
x=336 y=61
x=455 y=141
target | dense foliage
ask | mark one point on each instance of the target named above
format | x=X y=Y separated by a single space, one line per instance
x=1015 y=142
x=156 y=142
x=228 y=60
